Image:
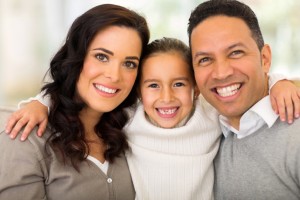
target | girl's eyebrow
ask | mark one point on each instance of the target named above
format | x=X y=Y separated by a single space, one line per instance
x=181 y=78
x=150 y=80
x=111 y=53
x=158 y=80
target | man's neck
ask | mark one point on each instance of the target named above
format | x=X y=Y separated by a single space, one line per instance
x=235 y=122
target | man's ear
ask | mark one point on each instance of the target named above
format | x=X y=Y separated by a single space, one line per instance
x=266 y=57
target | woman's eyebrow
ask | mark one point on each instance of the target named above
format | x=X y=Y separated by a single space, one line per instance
x=133 y=58
x=111 y=53
x=105 y=50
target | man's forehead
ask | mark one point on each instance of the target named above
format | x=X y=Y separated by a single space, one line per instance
x=222 y=22
x=219 y=30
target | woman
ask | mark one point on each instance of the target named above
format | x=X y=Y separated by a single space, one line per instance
x=82 y=155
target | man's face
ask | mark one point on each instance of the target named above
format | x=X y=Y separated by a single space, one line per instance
x=230 y=71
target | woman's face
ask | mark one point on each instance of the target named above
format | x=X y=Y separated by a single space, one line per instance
x=109 y=68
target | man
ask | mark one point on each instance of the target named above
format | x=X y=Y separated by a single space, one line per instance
x=259 y=156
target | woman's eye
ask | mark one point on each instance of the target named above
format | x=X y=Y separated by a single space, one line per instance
x=102 y=57
x=131 y=65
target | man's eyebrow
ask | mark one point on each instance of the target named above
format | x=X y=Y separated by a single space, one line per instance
x=203 y=53
x=239 y=44
x=200 y=53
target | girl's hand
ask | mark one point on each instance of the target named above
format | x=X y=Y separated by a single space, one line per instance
x=32 y=114
x=285 y=100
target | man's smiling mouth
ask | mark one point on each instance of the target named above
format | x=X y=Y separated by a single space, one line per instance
x=229 y=90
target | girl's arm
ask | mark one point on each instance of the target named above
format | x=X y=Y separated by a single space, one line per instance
x=285 y=100
x=34 y=112
x=285 y=97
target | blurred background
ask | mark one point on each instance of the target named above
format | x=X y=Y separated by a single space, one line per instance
x=32 y=31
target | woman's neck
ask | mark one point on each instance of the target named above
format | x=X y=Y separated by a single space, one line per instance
x=90 y=119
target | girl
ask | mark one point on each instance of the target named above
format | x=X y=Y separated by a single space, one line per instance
x=173 y=135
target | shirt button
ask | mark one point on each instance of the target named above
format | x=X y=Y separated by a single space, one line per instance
x=109 y=180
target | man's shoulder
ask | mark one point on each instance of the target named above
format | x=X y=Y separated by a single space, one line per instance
x=294 y=127
x=283 y=129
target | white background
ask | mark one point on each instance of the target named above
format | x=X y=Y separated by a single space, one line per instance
x=31 y=31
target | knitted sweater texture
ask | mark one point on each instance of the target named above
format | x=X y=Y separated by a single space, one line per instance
x=170 y=164
x=264 y=165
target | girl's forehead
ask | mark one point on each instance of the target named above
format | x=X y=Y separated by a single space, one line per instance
x=166 y=60
x=164 y=65
x=170 y=54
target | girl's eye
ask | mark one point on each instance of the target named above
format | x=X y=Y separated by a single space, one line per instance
x=130 y=65
x=153 y=85
x=102 y=57
x=179 y=84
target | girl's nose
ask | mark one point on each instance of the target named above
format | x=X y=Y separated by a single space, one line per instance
x=166 y=95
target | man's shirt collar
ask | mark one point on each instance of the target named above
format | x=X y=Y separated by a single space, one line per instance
x=257 y=116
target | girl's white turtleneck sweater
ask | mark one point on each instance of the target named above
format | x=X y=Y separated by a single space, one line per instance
x=177 y=163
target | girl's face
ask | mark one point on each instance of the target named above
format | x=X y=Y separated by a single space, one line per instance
x=167 y=89
x=109 y=69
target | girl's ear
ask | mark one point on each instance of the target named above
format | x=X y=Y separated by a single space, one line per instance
x=196 y=92
x=139 y=96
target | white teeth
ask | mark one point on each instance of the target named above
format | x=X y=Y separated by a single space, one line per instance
x=228 y=91
x=167 y=112
x=105 y=89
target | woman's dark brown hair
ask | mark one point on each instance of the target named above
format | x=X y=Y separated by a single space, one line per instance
x=67 y=131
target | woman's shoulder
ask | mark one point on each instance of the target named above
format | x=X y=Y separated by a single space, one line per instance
x=32 y=145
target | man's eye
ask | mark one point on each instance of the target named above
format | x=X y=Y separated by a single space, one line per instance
x=131 y=65
x=236 y=53
x=203 y=60
x=102 y=57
